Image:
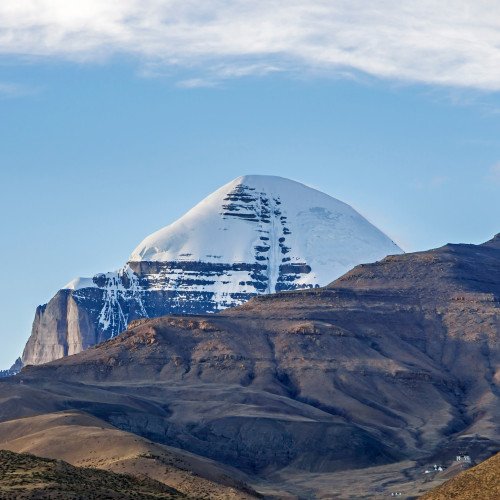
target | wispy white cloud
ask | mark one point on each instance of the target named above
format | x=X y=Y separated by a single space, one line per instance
x=444 y=43
x=197 y=83
x=214 y=75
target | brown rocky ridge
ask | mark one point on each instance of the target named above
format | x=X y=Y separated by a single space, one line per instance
x=348 y=390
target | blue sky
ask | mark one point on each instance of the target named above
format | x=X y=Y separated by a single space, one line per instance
x=103 y=142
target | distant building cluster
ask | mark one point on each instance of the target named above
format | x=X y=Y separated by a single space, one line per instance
x=462 y=458
x=436 y=468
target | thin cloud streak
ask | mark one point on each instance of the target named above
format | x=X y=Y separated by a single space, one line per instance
x=453 y=44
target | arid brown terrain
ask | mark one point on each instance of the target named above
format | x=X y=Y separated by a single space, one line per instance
x=86 y=441
x=24 y=476
x=346 y=391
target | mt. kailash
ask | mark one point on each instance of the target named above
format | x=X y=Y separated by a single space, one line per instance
x=255 y=235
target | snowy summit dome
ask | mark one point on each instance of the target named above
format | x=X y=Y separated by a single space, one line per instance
x=275 y=222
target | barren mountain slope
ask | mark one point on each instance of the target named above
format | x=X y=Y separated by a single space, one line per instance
x=86 y=441
x=396 y=360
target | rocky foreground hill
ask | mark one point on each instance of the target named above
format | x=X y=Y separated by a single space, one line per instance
x=353 y=389
x=24 y=476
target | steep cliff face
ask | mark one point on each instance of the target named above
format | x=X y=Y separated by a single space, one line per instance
x=255 y=235
x=62 y=328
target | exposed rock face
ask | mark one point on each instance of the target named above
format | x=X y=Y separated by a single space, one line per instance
x=256 y=235
x=396 y=360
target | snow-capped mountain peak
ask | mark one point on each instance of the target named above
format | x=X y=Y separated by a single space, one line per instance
x=257 y=234
x=273 y=221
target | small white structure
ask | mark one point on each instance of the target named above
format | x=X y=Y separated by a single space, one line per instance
x=463 y=458
x=436 y=468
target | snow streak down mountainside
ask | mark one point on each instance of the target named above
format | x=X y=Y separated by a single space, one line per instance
x=257 y=234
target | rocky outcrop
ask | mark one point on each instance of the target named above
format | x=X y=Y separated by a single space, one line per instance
x=61 y=328
x=256 y=235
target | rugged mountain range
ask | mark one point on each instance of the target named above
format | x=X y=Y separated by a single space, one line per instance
x=349 y=390
x=255 y=235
